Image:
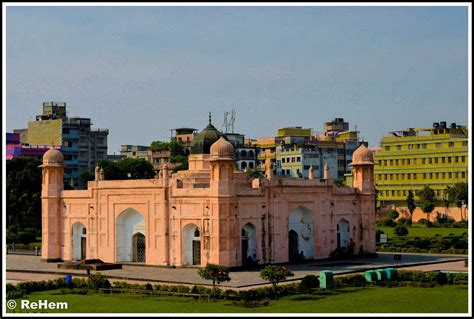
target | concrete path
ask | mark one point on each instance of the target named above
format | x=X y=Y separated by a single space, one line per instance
x=21 y=267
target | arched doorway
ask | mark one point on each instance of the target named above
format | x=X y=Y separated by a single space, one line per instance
x=249 y=245
x=301 y=240
x=191 y=245
x=130 y=234
x=79 y=242
x=293 y=246
x=138 y=247
x=343 y=234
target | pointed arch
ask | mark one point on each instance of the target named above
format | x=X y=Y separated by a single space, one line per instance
x=191 y=245
x=128 y=223
x=300 y=221
x=79 y=241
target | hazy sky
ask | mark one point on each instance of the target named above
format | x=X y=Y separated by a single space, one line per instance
x=140 y=71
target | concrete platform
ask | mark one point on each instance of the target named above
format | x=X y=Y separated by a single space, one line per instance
x=34 y=268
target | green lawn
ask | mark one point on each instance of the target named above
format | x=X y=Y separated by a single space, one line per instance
x=425 y=232
x=448 y=299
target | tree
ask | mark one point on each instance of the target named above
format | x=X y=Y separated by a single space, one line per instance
x=427 y=200
x=275 y=274
x=216 y=273
x=393 y=214
x=127 y=168
x=84 y=177
x=411 y=204
x=449 y=196
x=23 y=191
x=461 y=196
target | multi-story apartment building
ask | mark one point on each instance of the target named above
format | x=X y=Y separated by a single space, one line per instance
x=80 y=145
x=184 y=136
x=135 y=151
x=413 y=158
x=14 y=148
x=245 y=154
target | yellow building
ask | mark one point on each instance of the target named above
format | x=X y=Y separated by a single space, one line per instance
x=413 y=158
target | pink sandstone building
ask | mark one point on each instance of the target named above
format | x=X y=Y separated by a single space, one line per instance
x=211 y=213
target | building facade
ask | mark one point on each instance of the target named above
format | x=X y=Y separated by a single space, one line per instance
x=410 y=159
x=208 y=213
x=81 y=146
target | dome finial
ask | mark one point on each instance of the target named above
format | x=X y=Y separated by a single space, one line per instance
x=210 y=122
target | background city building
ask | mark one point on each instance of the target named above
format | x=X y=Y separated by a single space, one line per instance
x=415 y=157
x=81 y=146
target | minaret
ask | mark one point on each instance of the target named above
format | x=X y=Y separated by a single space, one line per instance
x=326 y=171
x=311 y=172
x=51 y=198
x=222 y=165
x=97 y=172
x=363 y=170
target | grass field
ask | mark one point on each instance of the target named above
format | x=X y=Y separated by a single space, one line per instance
x=425 y=232
x=448 y=299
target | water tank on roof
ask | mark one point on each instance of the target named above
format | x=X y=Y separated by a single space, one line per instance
x=435 y=124
x=442 y=124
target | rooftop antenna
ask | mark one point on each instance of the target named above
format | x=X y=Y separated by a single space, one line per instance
x=232 y=121
x=225 y=125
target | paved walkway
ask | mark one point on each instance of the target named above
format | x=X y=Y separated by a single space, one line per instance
x=21 y=267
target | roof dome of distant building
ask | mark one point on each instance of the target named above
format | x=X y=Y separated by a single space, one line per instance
x=53 y=156
x=362 y=155
x=222 y=148
x=202 y=142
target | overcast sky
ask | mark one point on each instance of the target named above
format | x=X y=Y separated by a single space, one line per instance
x=140 y=71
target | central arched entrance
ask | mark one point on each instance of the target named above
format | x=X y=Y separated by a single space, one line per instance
x=249 y=245
x=191 y=245
x=300 y=234
x=79 y=242
x=130 y=237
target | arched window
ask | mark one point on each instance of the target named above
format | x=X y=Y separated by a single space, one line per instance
x=243 y=165
x=197 y=233
x=243 y=153
x=251 y=154
x=251 y=165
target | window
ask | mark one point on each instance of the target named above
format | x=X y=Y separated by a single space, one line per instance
x=391 y=162
x=450 y=175
x=438 y=145
x=385 y=162
x=298 y=159
x=463 y=159
x=396 y=176
x=408 y=161
x=451 y=144
x=414 y=161
x=423 y=146
x=449 y=159
x=456 y=159
x=403 y=162
x=417 y=146
x=424 y=175
x=399 y=147
x=396 y=162
x=422 y=161
x=408 y=176
x=292 y=159
x=429 y=160
x=443 y=160
x=431 y=175
x=436 y=160
x=65 y=130
x=387 y=148
x=443 y=175
x=283 y=160
x=463 y=174
x=410 y=146
x=436 y=175
x=414 y=175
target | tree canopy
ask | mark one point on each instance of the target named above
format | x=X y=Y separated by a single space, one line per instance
x=427 y=199
x=23 y=186
x=127 y=168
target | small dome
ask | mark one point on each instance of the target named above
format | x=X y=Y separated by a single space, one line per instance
x=53 y=156
x=222 y=148
x=362 y=155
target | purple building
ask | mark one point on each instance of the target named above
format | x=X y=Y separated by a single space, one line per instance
x=14 y=148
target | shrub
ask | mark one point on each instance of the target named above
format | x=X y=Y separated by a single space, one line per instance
x=422 y=221
x=26 y=237
x=275 y=274
x=400 y=230
x=393 y=214
x=356 y=280
x=387 y=222
x=148 y=286
x=309 y=282
x=97 y=281
x=429 y=224
x=404 y=221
